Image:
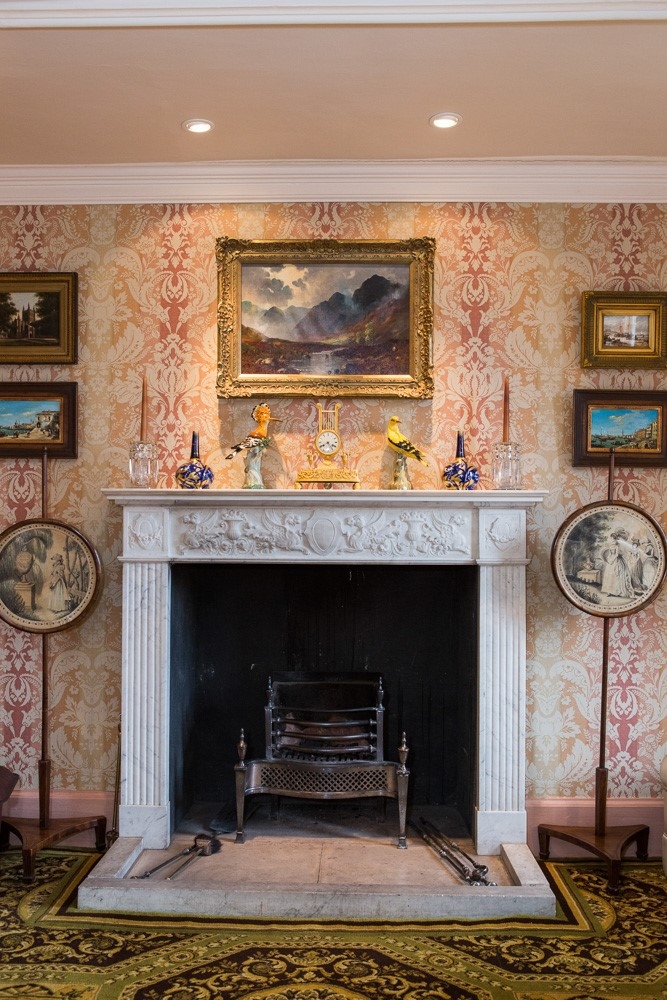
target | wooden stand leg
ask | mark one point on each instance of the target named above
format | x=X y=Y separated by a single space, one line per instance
x=34 y=837
x=609 y=846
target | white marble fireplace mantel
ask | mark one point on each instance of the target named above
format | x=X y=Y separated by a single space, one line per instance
x=483 y=528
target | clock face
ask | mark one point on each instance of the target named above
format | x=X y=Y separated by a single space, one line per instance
x=327 y=442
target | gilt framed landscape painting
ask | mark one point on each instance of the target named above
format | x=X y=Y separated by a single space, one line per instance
x=325 y=317
x=624 y=329
x=38 y=318
x=633 y=423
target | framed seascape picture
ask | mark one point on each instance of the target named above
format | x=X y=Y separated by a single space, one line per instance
x=624 y=329
x=325 y=317
x=609 y=559
x=38 y=415
x=632 y=423
x=38 y=318
x=49 y=575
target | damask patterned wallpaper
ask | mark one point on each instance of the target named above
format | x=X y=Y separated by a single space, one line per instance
x=508 y=281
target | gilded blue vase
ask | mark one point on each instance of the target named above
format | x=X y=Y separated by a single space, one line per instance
x=194 y=475
x=458 y=475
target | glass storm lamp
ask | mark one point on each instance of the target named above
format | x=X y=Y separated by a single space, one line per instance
x=143 y=463
x=506 y=466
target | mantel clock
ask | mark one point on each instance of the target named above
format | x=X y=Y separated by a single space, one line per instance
x=328 y=460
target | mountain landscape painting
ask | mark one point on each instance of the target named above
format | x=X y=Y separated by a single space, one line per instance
x=328 y=319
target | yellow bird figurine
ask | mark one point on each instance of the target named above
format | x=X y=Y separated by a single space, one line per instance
x=261 y=414
x=400 y=444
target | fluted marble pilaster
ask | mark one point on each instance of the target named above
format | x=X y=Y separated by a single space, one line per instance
x=500 y=815
x=144 y=802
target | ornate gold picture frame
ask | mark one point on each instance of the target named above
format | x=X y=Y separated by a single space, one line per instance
x=624 y=330
x=325 y=317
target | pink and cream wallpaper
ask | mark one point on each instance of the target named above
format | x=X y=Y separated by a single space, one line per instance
x=508 y=283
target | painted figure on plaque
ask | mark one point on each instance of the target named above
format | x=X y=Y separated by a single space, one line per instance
x=59 y=595
x=616 y=575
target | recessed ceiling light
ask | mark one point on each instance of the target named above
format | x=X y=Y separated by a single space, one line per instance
x=446 y=119
x=198 y=125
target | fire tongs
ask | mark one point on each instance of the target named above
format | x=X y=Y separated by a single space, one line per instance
x=203 y=844
x=472 y=872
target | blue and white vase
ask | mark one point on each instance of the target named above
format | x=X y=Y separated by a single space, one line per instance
x=194 y=475
x=458 y=475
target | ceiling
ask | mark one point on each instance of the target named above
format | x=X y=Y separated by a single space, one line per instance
x=109 y=93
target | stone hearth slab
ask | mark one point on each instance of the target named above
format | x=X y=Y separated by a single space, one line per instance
x=312 y=877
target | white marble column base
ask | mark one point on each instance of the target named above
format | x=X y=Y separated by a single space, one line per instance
x=492 y=829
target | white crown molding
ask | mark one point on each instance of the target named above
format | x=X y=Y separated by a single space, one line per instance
x=428 y=181
x=100 y=13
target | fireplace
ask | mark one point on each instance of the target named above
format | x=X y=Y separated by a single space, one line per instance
x=471 y=547
x=234 y=626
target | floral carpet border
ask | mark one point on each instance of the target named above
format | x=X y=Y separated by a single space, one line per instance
x=598 y=947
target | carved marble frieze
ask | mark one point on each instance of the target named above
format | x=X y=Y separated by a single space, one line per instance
x=315 y=534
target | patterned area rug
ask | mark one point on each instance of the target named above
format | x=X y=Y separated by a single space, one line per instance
x=598 y=946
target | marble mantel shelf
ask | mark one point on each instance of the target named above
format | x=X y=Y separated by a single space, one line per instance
x=429 y=526
x=337 y=498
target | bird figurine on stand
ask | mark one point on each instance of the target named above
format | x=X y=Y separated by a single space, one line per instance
x=403 y=448
x=253 y=446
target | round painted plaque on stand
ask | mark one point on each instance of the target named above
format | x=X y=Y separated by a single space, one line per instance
x=608 y=559
x=49 y=575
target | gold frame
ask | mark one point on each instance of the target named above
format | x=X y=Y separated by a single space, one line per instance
x=58 y=349
x=417 y=255
x=604 y=347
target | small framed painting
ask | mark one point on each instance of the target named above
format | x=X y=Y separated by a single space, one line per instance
x=325 y=317
x=35 y=416
x=624 y=330
x=38 y=318
x=632 y=423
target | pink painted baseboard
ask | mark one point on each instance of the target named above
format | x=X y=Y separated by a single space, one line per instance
x=25 y=803
x=581 y=812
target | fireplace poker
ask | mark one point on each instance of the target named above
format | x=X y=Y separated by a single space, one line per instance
x=465 y=873
x=461 y=870
x=211 y=846
x=439 y=835
x=199 y=842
